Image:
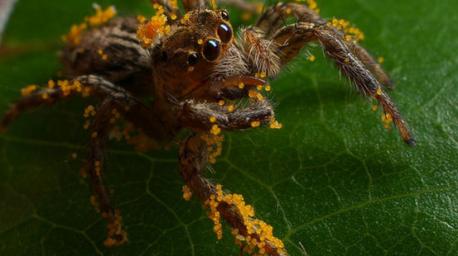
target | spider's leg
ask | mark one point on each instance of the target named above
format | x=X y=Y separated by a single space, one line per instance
x=231 y=207
x=293 y=37
x=100 y=128
x=274 y=18
x=205 y=116
x=57 y=91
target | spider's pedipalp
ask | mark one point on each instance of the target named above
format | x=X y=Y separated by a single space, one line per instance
x=204 y=116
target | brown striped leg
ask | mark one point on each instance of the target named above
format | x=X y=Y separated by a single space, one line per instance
x=248 y=230
x=292 y=38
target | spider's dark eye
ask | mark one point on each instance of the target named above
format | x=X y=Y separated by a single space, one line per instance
x=193 y=59
x=211 y=49
x=224 y=33
x=225 y=15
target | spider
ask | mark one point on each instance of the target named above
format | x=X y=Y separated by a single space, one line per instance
x=194 y=68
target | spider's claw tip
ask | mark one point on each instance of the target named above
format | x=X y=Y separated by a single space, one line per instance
x=411 y=142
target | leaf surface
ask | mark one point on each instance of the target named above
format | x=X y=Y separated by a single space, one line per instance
x=331 y=182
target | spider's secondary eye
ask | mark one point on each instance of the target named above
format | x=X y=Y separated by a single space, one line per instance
x=211 y=49
x=224 y=32
x=225 y=15
x=193 y=59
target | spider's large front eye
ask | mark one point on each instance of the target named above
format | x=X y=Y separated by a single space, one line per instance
x=212 y=49
x=224 y=33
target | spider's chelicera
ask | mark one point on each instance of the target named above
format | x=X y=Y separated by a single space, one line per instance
x=196 y=71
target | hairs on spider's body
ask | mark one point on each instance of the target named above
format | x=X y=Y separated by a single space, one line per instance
x=195 y=69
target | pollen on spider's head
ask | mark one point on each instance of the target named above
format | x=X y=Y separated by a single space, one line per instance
x=149 y=31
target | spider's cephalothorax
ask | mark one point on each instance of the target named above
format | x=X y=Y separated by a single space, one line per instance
x=195 y=70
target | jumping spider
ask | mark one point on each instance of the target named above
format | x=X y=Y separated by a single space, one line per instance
x=192 y=65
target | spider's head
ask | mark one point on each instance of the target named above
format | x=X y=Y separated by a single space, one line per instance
x=194 y=46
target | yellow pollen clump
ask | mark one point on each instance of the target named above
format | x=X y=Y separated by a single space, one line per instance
x=173 y=4
x=258 y=234
x=311 y=58
x=173 y=16
x=230 y=108
x=274 y=124
x=268 y=88
x=214 y=146
x=149 y=31
x=241 y=85
x=102 y=54
x=74 y=36
x=255 y=124
x=89 y=111
x=51 y=84
x=200 y=42
x=379 y=91
x=101 y=16
x=313 y=6
x=221 y=102
x=262 y=74
x=351 y=33
x=215 y=130
x=380 y=60
x=141 y=19
x=255 y=95
x=187 y=194
x=185 y=18
x=387 y=119
x=26 y=91
x=259 y=87
x=212 y=119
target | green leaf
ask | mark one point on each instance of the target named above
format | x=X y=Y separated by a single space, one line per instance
x=332 y=181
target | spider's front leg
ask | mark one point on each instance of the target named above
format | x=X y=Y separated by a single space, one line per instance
x=291 y=38
x=273 y=20
x=250 y=233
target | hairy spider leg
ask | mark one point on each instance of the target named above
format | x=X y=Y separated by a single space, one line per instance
x=293 y=37
x=99 y=129
x=273 y=19
x=256 y=234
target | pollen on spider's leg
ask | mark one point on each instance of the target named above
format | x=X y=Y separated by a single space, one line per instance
x=187 y=194
x=215 y=130
x=387 y=120
x=255 y=124
x=352 y=34
x=256 y=236
x=26 y=91
x=214 y=146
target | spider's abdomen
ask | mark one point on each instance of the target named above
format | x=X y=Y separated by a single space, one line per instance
x=112 y=51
